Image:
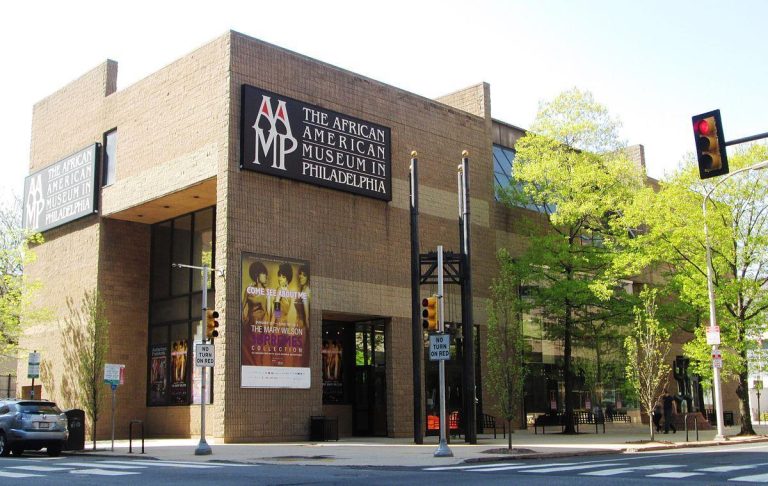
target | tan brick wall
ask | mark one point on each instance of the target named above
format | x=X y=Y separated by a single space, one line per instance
x=351 y=242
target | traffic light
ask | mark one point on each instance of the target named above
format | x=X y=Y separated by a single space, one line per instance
x=211 y=324
x=429 y=313
x=710 y=144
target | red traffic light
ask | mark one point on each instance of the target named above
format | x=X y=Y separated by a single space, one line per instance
x=710 y=144
x=702 y=127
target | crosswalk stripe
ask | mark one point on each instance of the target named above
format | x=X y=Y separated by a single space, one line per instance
x=757 y=478
x=7 y=474
x=474 y=466
x=622 y=470
x=675 y=475
x=40 y=468
x=516 y=467
x=572 y=468
x=102 y=472
x=727 y=468
x=91 y=464
x=157 y=464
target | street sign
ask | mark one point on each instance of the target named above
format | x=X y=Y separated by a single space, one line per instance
x=33 y=368
x=439 y=347
x=114 y=374
x=713 y=335
x=205 y=355
x=717 y=360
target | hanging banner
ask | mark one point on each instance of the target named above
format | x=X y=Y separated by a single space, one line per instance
x=289 y=138
x=274 y=329
x=179 y=387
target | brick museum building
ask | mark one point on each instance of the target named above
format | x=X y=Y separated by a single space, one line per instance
x=290 y=177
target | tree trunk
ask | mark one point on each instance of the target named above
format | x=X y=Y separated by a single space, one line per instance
x=742 y=391
x=650 y=424
x=509 y=429
x=567 y=352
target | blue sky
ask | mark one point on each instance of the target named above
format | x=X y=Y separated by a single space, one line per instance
x=652 y=63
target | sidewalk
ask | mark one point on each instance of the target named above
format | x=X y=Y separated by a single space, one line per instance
x=381 y=451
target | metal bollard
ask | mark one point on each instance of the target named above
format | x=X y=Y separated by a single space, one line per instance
x=130 y=435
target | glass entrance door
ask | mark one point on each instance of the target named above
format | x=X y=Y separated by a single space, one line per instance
x=370 y=403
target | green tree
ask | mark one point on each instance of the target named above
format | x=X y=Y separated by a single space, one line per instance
x=647 y=348
x=571 y=167
x=15 y=290
x=506 y=344
x=737 y=218
x=86 y=335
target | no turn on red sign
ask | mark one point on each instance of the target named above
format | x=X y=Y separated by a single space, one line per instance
x=205 y=355
x=439 y=347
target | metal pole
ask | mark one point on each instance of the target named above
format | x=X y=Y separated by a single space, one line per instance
x=711 y=293
x=713 y=323
x=470 y=399
x=32 y=392
x=203 y=449
x=416 y=332
x=442 y=450
x=114 y=392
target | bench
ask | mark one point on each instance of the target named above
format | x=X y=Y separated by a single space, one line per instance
x=546 y=420
x=619 y=417
x=489 y=422
x=587 y=417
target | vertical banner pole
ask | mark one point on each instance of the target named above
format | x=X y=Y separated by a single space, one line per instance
x=442 y=450
x=203 y=449
x=470 y=424
x=416 y=332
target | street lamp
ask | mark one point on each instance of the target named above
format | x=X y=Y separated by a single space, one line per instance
x=711 y=290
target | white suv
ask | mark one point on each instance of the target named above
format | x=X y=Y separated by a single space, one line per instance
x=31 y=424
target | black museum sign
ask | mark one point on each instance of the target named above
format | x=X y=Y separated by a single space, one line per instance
x=62 y=192
x=288 y=138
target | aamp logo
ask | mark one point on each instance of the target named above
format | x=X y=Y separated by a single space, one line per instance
x=35 y=202
x=273 y=134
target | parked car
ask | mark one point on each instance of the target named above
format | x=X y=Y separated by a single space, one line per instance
x=31 y=425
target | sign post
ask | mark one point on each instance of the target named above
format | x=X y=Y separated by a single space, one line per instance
x=114 y=375
x=203 y=449
x=33 y=370
x=442 y=450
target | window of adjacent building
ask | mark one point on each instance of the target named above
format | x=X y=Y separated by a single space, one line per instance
x=503 y=175
x=109 y=159
x=175 y=313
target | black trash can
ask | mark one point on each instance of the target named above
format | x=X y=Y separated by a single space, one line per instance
x=76 y=425
x=322 y=428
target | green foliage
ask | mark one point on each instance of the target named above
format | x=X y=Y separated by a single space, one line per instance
x=86 y=342
x=647 y=348
x=15 y=290
x=572 y=167
x=506 y=343
x=737 y=219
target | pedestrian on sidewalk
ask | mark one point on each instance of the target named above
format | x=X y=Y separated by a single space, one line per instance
x=668 y=402
x=657 y=417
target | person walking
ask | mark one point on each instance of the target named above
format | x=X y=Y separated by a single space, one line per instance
x=657 y=417
x=668 y=402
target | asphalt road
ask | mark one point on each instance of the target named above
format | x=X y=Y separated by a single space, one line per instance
x=738 y=464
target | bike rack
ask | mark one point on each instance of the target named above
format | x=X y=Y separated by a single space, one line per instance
x=695 y=425
x=130 y=435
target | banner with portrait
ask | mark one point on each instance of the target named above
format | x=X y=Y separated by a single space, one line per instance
x=274 y=331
